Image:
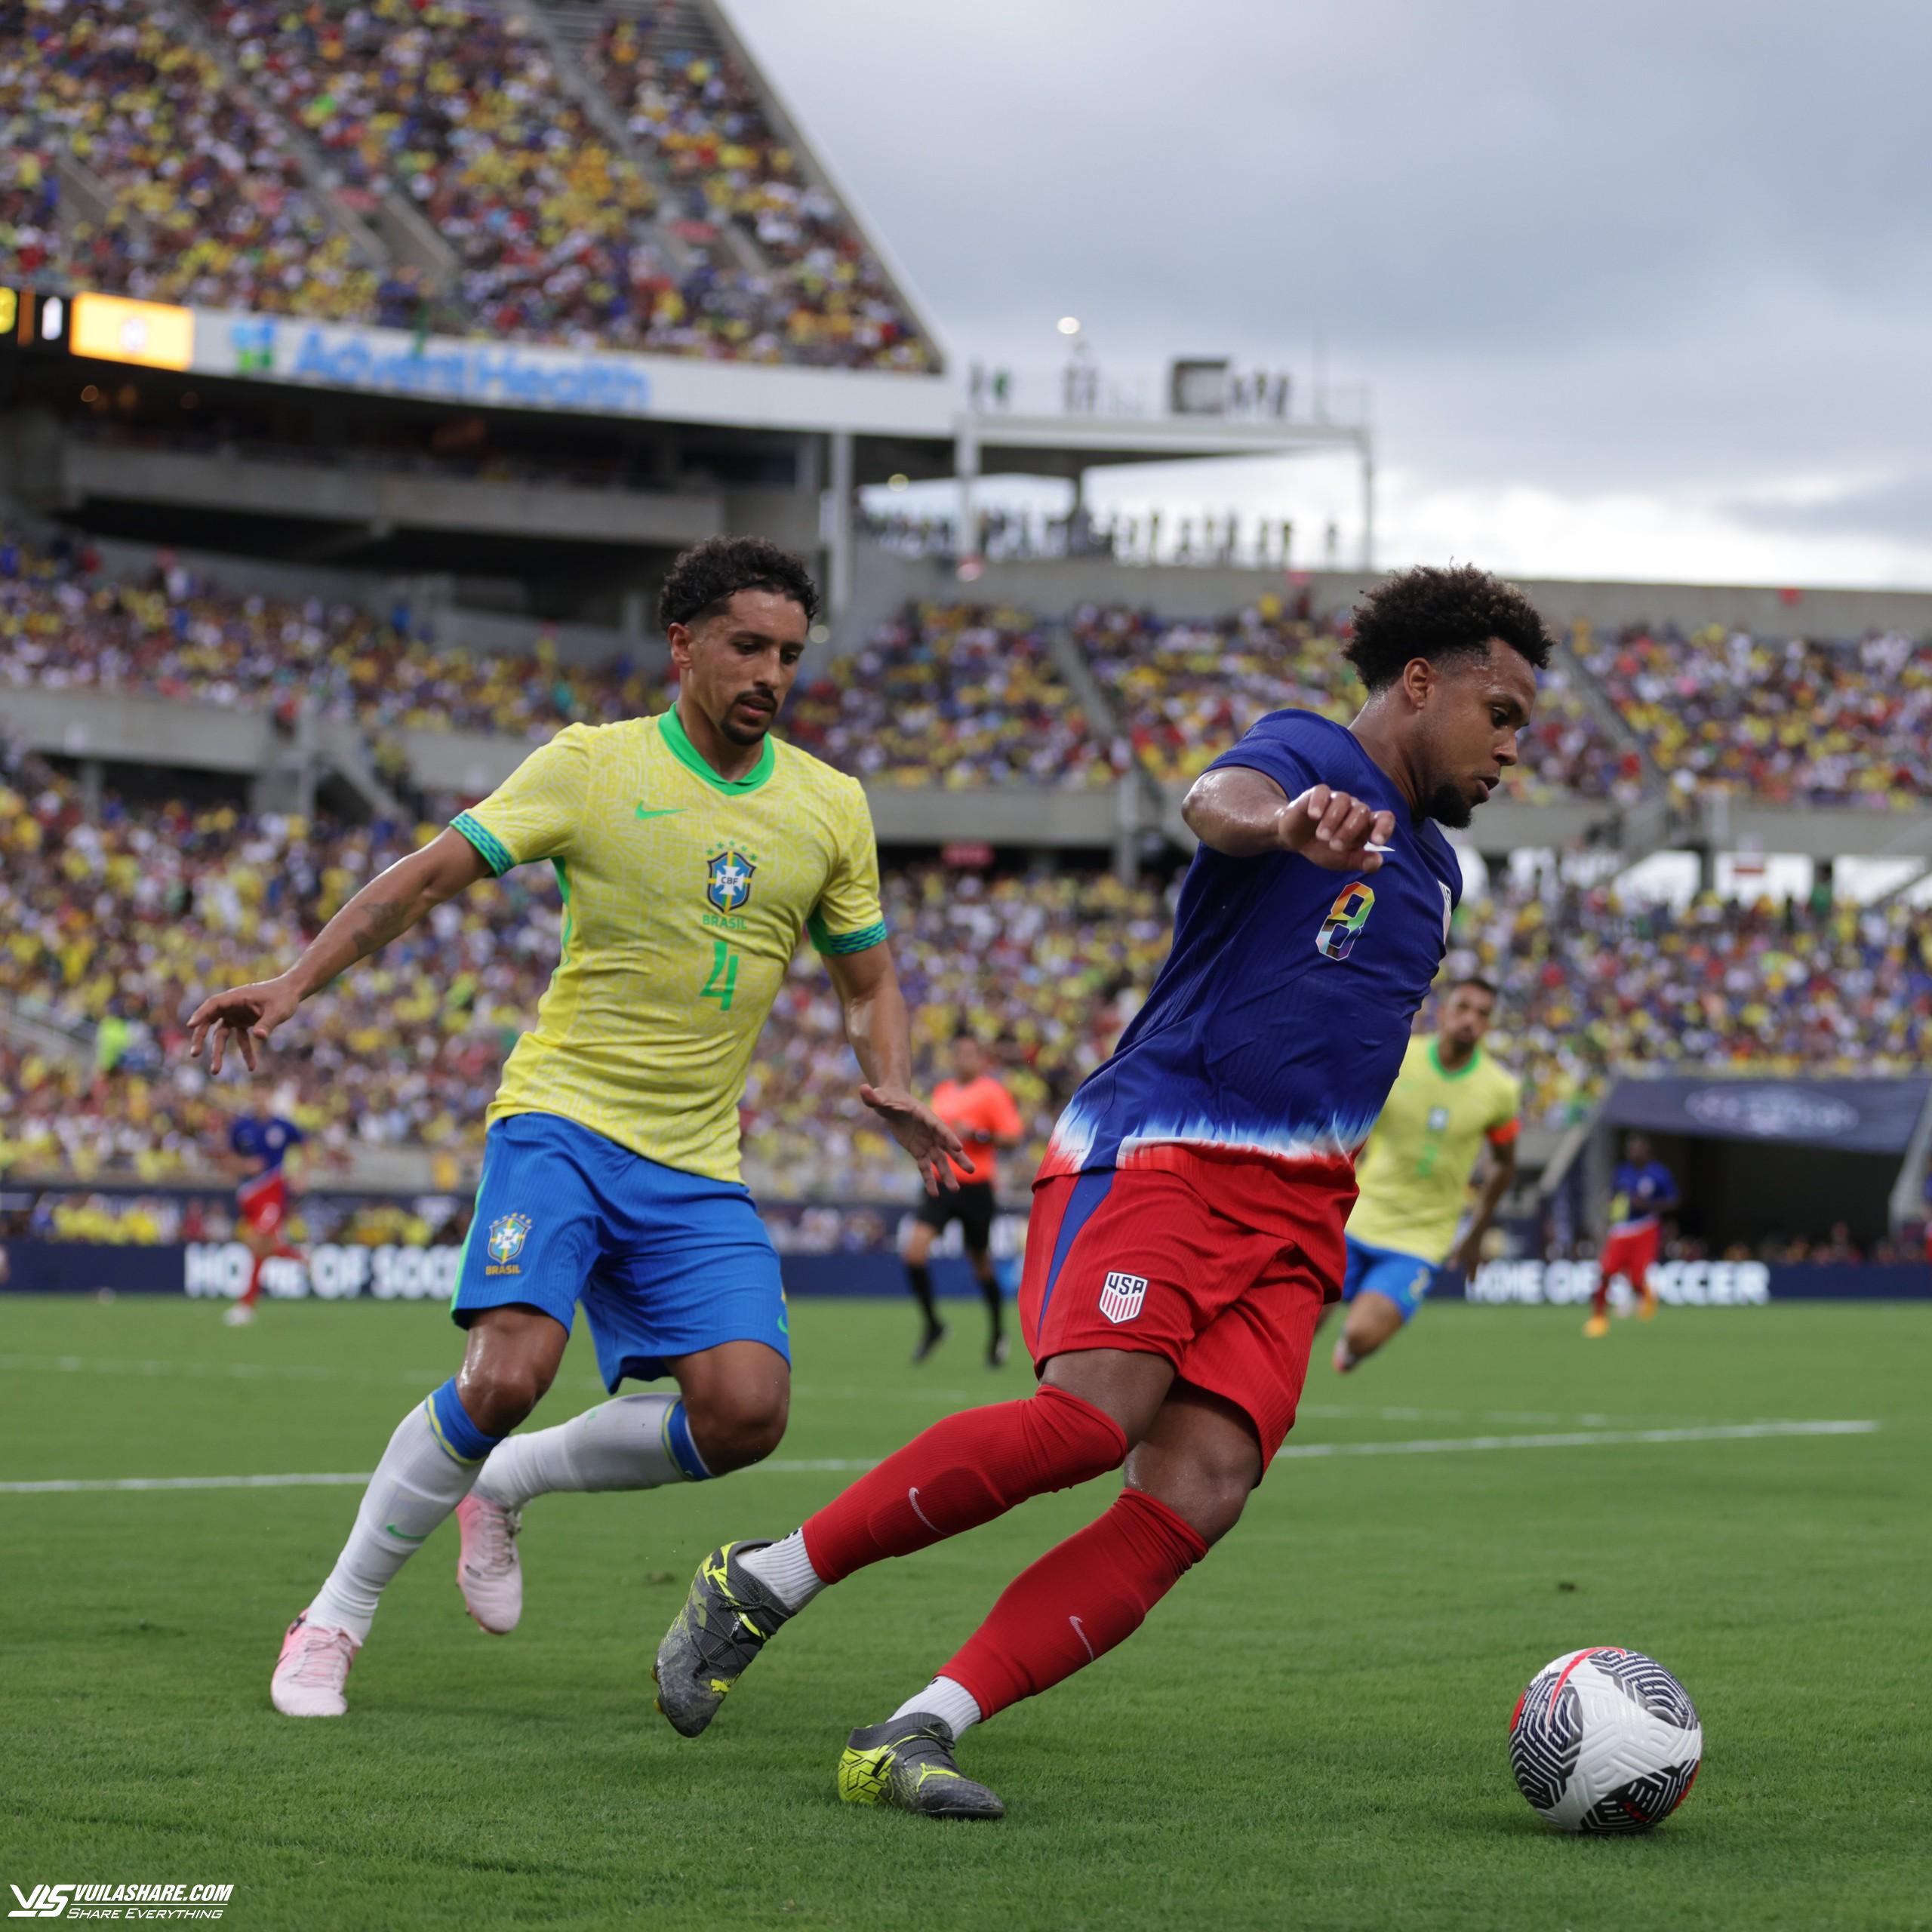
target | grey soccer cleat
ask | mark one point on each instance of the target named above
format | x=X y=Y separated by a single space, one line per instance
x=725 y=1621
x=907 y=1762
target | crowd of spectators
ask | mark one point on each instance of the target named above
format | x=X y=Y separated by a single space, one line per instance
x=824 y=300
x=1789 y=720
x=113 y=927
x=1591 y=981
x=205 y=199
x=961 y=695
x=459 y=111
x=1185 y=689
x=186 y=180
x=66 y=624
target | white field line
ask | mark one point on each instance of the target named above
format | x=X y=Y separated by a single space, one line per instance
x=425 y=1379
x=1742 y=1432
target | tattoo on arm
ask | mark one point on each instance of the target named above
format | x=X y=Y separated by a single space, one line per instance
x=378 y=922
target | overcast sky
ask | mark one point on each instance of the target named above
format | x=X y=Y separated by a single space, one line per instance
x=1640 y=290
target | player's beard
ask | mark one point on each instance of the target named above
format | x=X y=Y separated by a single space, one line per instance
x=1449 y=804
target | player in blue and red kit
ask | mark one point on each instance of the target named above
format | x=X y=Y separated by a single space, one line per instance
x=1187 y=1223
x=1641 y=1192
x=259 y=1142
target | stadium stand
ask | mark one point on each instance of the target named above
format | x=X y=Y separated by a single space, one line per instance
x=112 y=922
x=693 y=107
x=952 y=693
x=67 y=624
x=1186 y=689
x=143 y=170
x=228 y=155
x=1791 y=720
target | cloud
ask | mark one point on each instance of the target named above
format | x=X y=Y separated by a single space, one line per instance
x=1613 y=249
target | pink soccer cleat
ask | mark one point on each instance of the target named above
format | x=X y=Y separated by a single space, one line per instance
x=311 y=1670
x=487 y=1571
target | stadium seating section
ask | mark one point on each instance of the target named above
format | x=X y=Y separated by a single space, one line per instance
x=111 y=925
x=952 y=693
x=1789 y=720
x=233 y=153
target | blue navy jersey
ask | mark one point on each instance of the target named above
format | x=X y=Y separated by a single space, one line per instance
x=1638 y=1195
x=1278 y=1026
x=267 y=1141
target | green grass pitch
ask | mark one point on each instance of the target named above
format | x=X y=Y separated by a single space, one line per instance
x=1309 y=1733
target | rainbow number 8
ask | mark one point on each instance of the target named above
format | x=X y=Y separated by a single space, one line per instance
x=1346 y=917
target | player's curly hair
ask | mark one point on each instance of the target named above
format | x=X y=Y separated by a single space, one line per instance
x=708 y=574
x=1441 y=614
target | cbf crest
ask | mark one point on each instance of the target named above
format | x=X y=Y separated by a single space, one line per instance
x=505 y=1243
x=727 y=879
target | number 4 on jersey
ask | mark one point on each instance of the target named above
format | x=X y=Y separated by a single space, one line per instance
x=724 y=980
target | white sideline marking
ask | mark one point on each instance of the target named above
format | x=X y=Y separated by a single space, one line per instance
x=427 y=1378
x=1741 y=1432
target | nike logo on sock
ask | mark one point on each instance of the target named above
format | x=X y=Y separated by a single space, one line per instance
x=1092 y=1654
x=912 y=1497
x=402 y=1535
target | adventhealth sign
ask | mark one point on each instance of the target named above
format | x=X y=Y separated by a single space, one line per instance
x=477 y=371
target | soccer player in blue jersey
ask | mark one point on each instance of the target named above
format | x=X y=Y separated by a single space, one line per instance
x=1187 y=1223
x=258 y=1144
x=1642 y=1191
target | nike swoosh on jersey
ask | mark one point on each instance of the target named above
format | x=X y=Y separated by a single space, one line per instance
x=662 y=811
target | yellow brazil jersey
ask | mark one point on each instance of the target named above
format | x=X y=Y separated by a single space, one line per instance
x=685 y=894
x=1414 y=1173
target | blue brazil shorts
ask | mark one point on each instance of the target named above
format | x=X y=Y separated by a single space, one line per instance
x=1404 y=1278
x=665 y=1262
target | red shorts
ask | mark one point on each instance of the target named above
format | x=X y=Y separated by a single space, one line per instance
x=1631 y=1254
x=1140 y=1258
x=262 y=1202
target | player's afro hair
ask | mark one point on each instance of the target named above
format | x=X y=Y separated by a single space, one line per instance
x=708 y=574
x=1439 y=614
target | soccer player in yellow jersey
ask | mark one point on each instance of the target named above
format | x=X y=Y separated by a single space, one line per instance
x=1449 y=1100
x=693 y=850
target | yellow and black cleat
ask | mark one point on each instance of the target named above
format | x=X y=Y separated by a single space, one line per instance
x=907 y=1763
x=726 y=1619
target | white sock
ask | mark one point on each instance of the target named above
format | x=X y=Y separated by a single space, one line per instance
x=417 y=1483
x=943 y=1698
x=620 y=1444
x=786 y=1570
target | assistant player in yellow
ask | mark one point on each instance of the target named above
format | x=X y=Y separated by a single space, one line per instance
x=693 y=850
x=1449 y=1101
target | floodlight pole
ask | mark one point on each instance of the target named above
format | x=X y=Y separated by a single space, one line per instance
x=1367 y=448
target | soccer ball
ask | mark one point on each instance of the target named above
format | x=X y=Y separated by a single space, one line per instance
x=1605 y=1740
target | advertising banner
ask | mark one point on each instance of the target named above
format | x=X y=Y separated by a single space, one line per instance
x=397 y=1271
x=484 y=372
x=1851 y=1116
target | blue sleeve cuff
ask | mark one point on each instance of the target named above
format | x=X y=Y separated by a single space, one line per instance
x=496 y=854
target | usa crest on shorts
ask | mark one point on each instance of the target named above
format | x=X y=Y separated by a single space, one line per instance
x=505 y=1238
x=1121 y=1296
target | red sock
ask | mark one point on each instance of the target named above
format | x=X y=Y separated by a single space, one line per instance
x=253 y=1292
x=1600 y=1295
x=1077 y=1602
x=962 y=1473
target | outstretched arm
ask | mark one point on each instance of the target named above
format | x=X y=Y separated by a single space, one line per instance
x=389 y=905
x=880 y=1032
x=1242 y=812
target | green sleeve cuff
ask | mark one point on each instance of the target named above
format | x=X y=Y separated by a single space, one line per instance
x=496 y=853
x=858 y=941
